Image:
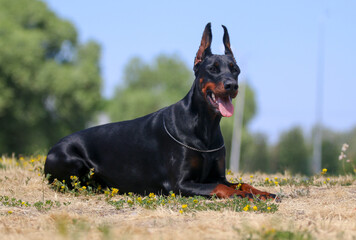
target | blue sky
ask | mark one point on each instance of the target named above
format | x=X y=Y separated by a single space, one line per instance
x=274 y=42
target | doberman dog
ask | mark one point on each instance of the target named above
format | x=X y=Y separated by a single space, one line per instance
x=179 y=148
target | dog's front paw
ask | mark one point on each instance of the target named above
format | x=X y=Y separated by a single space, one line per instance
x=249 y=196
x=266 y=196
x=274 y=196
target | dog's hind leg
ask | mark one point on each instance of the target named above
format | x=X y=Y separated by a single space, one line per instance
x=62 y=166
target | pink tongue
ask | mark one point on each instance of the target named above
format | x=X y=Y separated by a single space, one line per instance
x=225 y=106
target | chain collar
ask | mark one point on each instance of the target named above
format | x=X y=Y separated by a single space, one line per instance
x=189 y=147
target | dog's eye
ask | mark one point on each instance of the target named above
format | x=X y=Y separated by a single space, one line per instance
x=213 y=69
x=234 y=69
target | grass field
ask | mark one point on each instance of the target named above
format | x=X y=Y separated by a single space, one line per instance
x=320 y=207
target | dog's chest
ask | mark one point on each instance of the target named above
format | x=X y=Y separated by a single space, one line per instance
x=203 y=165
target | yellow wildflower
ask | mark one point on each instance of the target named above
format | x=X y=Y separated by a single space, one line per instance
x=114 y=191
x=184 y=206
x=180 y=211
x=246 y=208
x=195 y=201
x=251 y=176
x=9 y=212
x=275 y=178
x=272 y=230
x=173 y=195
x=276 y=183
x=328 y=179
x=268 y=208
x=151 y=195
x=255 y=208
x=267 y=179
x=62 y=187
x=84 y=187
x=324 y=171
x=129 y=201
x=139 y=199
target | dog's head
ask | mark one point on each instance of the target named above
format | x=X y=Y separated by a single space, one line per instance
x=217 y=75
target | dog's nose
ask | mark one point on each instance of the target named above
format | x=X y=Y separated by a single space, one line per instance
x=230 y=85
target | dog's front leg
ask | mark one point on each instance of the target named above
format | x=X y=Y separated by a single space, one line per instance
x=249 y=189
x=210 y=189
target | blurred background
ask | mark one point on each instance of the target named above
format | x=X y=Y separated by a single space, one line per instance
x=67 y=65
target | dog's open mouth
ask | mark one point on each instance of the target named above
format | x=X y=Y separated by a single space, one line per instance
x=222 y=103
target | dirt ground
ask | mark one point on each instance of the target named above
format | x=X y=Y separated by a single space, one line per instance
x=306 y=212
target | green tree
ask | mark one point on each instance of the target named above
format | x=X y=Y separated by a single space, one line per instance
x=331 y=149
x=330 y=153
x=255 y=155
x=50 y=84
x=349 y=166
x=149 y=87
x=291 y=153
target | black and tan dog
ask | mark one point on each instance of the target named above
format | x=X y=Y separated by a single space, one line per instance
x=178 y=148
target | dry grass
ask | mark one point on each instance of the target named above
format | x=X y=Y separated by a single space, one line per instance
x=306 y=212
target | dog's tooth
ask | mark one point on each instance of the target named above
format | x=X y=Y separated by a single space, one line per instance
x=213 y=96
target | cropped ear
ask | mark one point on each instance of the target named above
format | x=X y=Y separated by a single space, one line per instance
x=204 y=49
x=226 y=40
